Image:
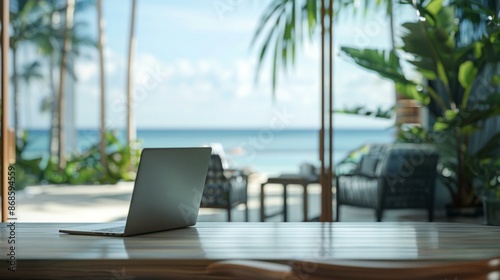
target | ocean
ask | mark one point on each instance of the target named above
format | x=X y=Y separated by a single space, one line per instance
x=262 y=150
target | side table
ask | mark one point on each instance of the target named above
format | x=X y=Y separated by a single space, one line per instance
x=285 y=180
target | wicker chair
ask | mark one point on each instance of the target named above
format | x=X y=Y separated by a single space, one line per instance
x=224 y=189
x=400 y=176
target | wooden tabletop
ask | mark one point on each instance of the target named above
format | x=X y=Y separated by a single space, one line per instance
x=40 y=244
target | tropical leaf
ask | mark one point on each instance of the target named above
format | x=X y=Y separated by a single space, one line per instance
x=31 y=71
x=384 y=63
x=362 y=111
x=280 y=30
x=467 y=120
x=467 y=74
x=491 y=148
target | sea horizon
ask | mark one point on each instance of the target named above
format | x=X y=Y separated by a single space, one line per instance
x=261 y=149
x=219 y=129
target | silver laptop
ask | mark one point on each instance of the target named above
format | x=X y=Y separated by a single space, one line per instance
x=167 y=193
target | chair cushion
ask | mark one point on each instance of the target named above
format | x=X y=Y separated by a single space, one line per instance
x=368 y=165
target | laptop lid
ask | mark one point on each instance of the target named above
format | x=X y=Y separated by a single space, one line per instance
x=168 y=189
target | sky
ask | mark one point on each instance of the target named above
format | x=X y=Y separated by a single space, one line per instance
x=195 y=68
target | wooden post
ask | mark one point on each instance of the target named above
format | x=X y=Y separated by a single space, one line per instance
x=326 y=145
x=322 y=178
x=4 y=37
x=329 y=175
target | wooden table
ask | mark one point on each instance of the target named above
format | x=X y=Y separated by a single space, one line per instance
x=285 y=180
x=43 y=253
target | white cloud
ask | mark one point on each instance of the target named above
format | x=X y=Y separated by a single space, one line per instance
x=204 y=18
x=86 y=70
x=196 y=89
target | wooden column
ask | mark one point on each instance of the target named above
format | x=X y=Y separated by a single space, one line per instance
x=326 y=131
x=4 y=38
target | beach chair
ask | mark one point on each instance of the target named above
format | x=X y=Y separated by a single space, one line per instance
x=224 y=188
x=401 y=176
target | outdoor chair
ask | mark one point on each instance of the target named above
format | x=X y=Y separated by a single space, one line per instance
x=400 y=176
x=351 y=163
x=224 y=188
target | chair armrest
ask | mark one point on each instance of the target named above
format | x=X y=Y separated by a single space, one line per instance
x=233 y=173
x=360 y=175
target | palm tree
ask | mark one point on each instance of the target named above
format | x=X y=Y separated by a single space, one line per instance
x=25 y=19
x=281 y=28
x=131 y=133
x=30 y=72
x=70 y=10
x=49 y=41
x=103 y=85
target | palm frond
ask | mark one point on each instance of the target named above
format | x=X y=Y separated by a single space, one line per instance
x=280 y=32
x=362 y=111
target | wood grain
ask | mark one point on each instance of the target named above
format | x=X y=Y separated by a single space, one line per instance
x=42 y=249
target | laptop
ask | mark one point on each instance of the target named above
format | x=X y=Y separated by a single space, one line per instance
x=167 y=193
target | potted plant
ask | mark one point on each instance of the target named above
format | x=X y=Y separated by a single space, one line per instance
x=448 y=75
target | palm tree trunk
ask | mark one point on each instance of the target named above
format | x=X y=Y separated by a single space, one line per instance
x=53 y=112
x=102 y=145
x=70 y=9
x=131 y=133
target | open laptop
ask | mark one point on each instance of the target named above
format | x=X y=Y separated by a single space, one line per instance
x=167 y=193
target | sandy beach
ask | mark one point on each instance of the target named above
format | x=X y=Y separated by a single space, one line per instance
x=106 y=203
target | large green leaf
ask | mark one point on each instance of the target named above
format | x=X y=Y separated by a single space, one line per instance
x=411 y=90
x=384 y=63
x=434 y=7
x=387 y=65
x=467 y=73
x=490 y=148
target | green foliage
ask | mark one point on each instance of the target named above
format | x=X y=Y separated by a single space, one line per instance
x=387 y=65
x=81 y=168
x=430 y=47
x=362 y=111
x=350 y=163
x=28 y=170
x=487 y=172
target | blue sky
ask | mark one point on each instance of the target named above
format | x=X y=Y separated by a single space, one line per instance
x=195 y=68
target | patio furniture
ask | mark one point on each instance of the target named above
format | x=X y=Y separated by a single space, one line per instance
x=285 y=180
x=401 y=176
x=307 y=175
x=351 y=163
x=224 y=188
